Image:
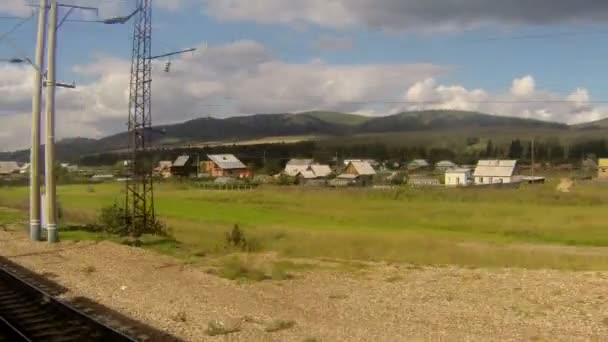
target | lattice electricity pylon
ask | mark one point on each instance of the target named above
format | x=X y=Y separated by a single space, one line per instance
x=139 y=197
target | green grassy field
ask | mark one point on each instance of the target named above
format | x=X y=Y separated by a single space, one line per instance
x=533 y=227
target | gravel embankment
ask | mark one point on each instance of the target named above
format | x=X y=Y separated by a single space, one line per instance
x=380 y=303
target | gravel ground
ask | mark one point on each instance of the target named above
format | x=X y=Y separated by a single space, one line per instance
x=378 y=303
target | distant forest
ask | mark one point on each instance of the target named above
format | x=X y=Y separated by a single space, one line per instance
x=272 y=157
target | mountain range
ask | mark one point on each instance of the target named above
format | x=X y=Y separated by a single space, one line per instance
x=319 y=124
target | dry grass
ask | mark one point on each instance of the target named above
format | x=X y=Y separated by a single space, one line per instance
x=89 y=270
x=278 y=325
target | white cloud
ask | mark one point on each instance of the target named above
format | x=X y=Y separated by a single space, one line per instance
x=245 y=78
x=523 y=87
x=241 y=78
x=523 y=100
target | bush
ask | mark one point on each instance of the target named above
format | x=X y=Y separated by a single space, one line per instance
x=235 y=239
x=114 y=220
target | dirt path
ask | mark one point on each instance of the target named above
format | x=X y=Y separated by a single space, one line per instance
x=379 y=303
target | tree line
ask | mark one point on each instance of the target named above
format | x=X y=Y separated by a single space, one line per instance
x=273 y=157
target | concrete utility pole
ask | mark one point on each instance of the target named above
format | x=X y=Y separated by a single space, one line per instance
x=35 y=233
x=51 y=191
x=532 y=157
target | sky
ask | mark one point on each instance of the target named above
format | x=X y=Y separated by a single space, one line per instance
x=540 y=59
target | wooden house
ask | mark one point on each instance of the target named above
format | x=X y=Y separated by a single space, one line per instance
x=358 y=173
x=226 y=165
x=183 y=166
x=9 y=168
x=295 y=166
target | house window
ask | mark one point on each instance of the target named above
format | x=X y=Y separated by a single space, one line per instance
x=481 y=180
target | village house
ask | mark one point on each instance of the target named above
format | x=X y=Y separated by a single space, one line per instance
x=9 y=168
x=445 y=165
x=496 y=172
x=314 y=175
x=356 y=173
x=374 y=163
x=295 y=166
x=226 y=165
x=418 y=164
x=458 y=177
x=602 y=171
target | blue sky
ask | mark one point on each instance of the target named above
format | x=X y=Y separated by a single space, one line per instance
x=453 y=55
x=488 y=58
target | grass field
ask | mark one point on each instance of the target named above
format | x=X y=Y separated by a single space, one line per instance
x=532 y=227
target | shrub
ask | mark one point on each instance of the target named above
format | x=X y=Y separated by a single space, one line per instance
x=113 y=220
x=236 y=238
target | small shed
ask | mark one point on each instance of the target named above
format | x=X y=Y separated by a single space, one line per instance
x=183 y=166
x=458 y=177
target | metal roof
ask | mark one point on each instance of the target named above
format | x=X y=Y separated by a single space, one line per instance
x=293 y=170
x=363 y=168
x=458 y=170
x=300 y=162
x=320 y=170
x=419 y=163
x=226 y=161
x=307 y=174
x=603 y=162
x=181 y=161
x=8 y=167
x=495 y=168
x=445 y=163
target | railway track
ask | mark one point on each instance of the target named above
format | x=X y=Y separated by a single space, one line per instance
x=28 y=313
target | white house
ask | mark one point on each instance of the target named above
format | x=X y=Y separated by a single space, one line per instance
x=458 y=177
x=496 y=172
